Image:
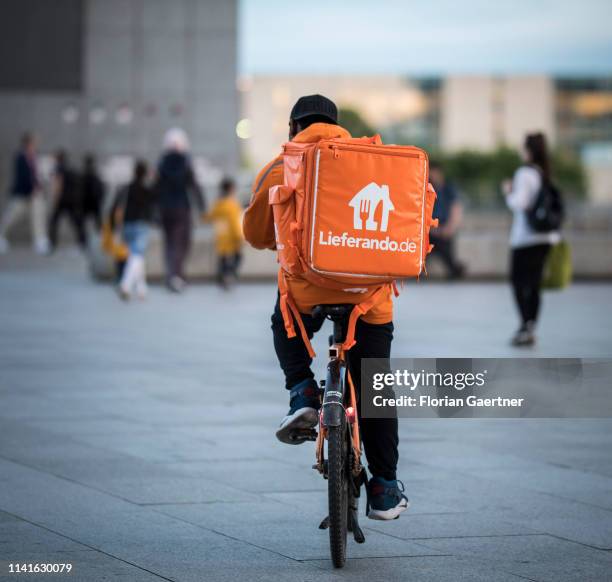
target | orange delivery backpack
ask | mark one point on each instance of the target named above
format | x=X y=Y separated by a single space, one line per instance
x=352 y=214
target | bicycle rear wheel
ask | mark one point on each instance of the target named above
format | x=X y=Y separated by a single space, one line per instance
x=338 y=491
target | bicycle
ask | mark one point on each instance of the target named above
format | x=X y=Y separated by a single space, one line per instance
x=339 y=426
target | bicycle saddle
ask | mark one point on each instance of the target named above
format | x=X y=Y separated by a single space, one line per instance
x=333 y=312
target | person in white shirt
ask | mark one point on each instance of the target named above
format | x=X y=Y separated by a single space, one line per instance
x=529 y=248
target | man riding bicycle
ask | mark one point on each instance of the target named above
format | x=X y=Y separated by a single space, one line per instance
x=313 y=118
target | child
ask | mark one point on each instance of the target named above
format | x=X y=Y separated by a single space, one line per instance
x=226 y=216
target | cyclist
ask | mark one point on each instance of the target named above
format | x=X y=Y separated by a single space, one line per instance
x=313 y=118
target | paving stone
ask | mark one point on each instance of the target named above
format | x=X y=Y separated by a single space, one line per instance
x=540 y=557
x=570 y=520
x=291 y=531
x=264 y=475
x=141 y=536
x=427 y=526
x=26 y=543
x=424 y=569
x=563 y=482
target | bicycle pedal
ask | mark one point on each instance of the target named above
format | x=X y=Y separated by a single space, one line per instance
x=303 y=435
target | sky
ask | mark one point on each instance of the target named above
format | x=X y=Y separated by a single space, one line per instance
x=425 y=37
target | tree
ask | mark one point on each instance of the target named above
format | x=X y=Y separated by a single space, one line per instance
x=479 y=174
x=352 y=120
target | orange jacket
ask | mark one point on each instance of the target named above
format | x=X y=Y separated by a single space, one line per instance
x=258 y=228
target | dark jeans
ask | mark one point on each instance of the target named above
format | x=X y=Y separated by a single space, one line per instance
x=176 y=224
x=527 y=266
x=444 y=248
x=76 y=220
x=92 y=210
x=227 y=265
x=379 y=435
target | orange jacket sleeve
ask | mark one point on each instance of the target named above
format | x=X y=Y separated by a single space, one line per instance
x=258 y=222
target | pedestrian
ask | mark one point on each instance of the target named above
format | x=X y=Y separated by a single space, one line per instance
x=136 y=203
x=529 y=249
x=92 y=192
x=66 y=194
x=226 y=215
x=177 y=191
x=26 y=194
x=449 y=212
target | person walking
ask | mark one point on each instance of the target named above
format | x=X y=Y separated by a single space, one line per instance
x=226 y=215
x=449 y=212
x=136 y=202
x=92 y=192
x=177 y=190
x=66 y=194
x=529 y=249
x=26 y=194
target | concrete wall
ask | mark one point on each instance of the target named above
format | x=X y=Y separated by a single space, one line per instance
x=600 y=183
x=528 y=106
x=467 y=113
x=484 y=112
x=148 y=65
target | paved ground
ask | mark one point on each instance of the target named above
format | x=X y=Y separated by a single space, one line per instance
x=136 y=442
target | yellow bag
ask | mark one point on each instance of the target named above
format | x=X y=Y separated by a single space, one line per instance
x=558 y=267
x=110 y=245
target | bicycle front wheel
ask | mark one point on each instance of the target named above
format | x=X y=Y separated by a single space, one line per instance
x=338 y=491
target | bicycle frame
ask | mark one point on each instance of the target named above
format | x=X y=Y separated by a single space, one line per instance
x=338 y=403
x=339 y=425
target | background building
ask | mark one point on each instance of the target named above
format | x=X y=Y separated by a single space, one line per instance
x=451 y=114
x=110 y=76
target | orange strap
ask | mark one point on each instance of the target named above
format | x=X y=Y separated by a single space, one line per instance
x=287 y=305
x=359 y=310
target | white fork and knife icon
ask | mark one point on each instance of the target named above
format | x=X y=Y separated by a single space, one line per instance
x=366 y=201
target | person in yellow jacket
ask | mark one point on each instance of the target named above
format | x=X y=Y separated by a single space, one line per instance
x=226 y=214
x=313 y=118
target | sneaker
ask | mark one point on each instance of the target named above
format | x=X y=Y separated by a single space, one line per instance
x=525 y=336
x=176 y=284
x=142 y=291
x=303 y=415
x=123 y=294
x=386 y=500
x=42 y=247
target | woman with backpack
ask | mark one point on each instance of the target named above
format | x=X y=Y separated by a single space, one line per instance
x=529 y=242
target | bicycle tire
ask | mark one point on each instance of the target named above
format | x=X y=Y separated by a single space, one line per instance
x=338 y=492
